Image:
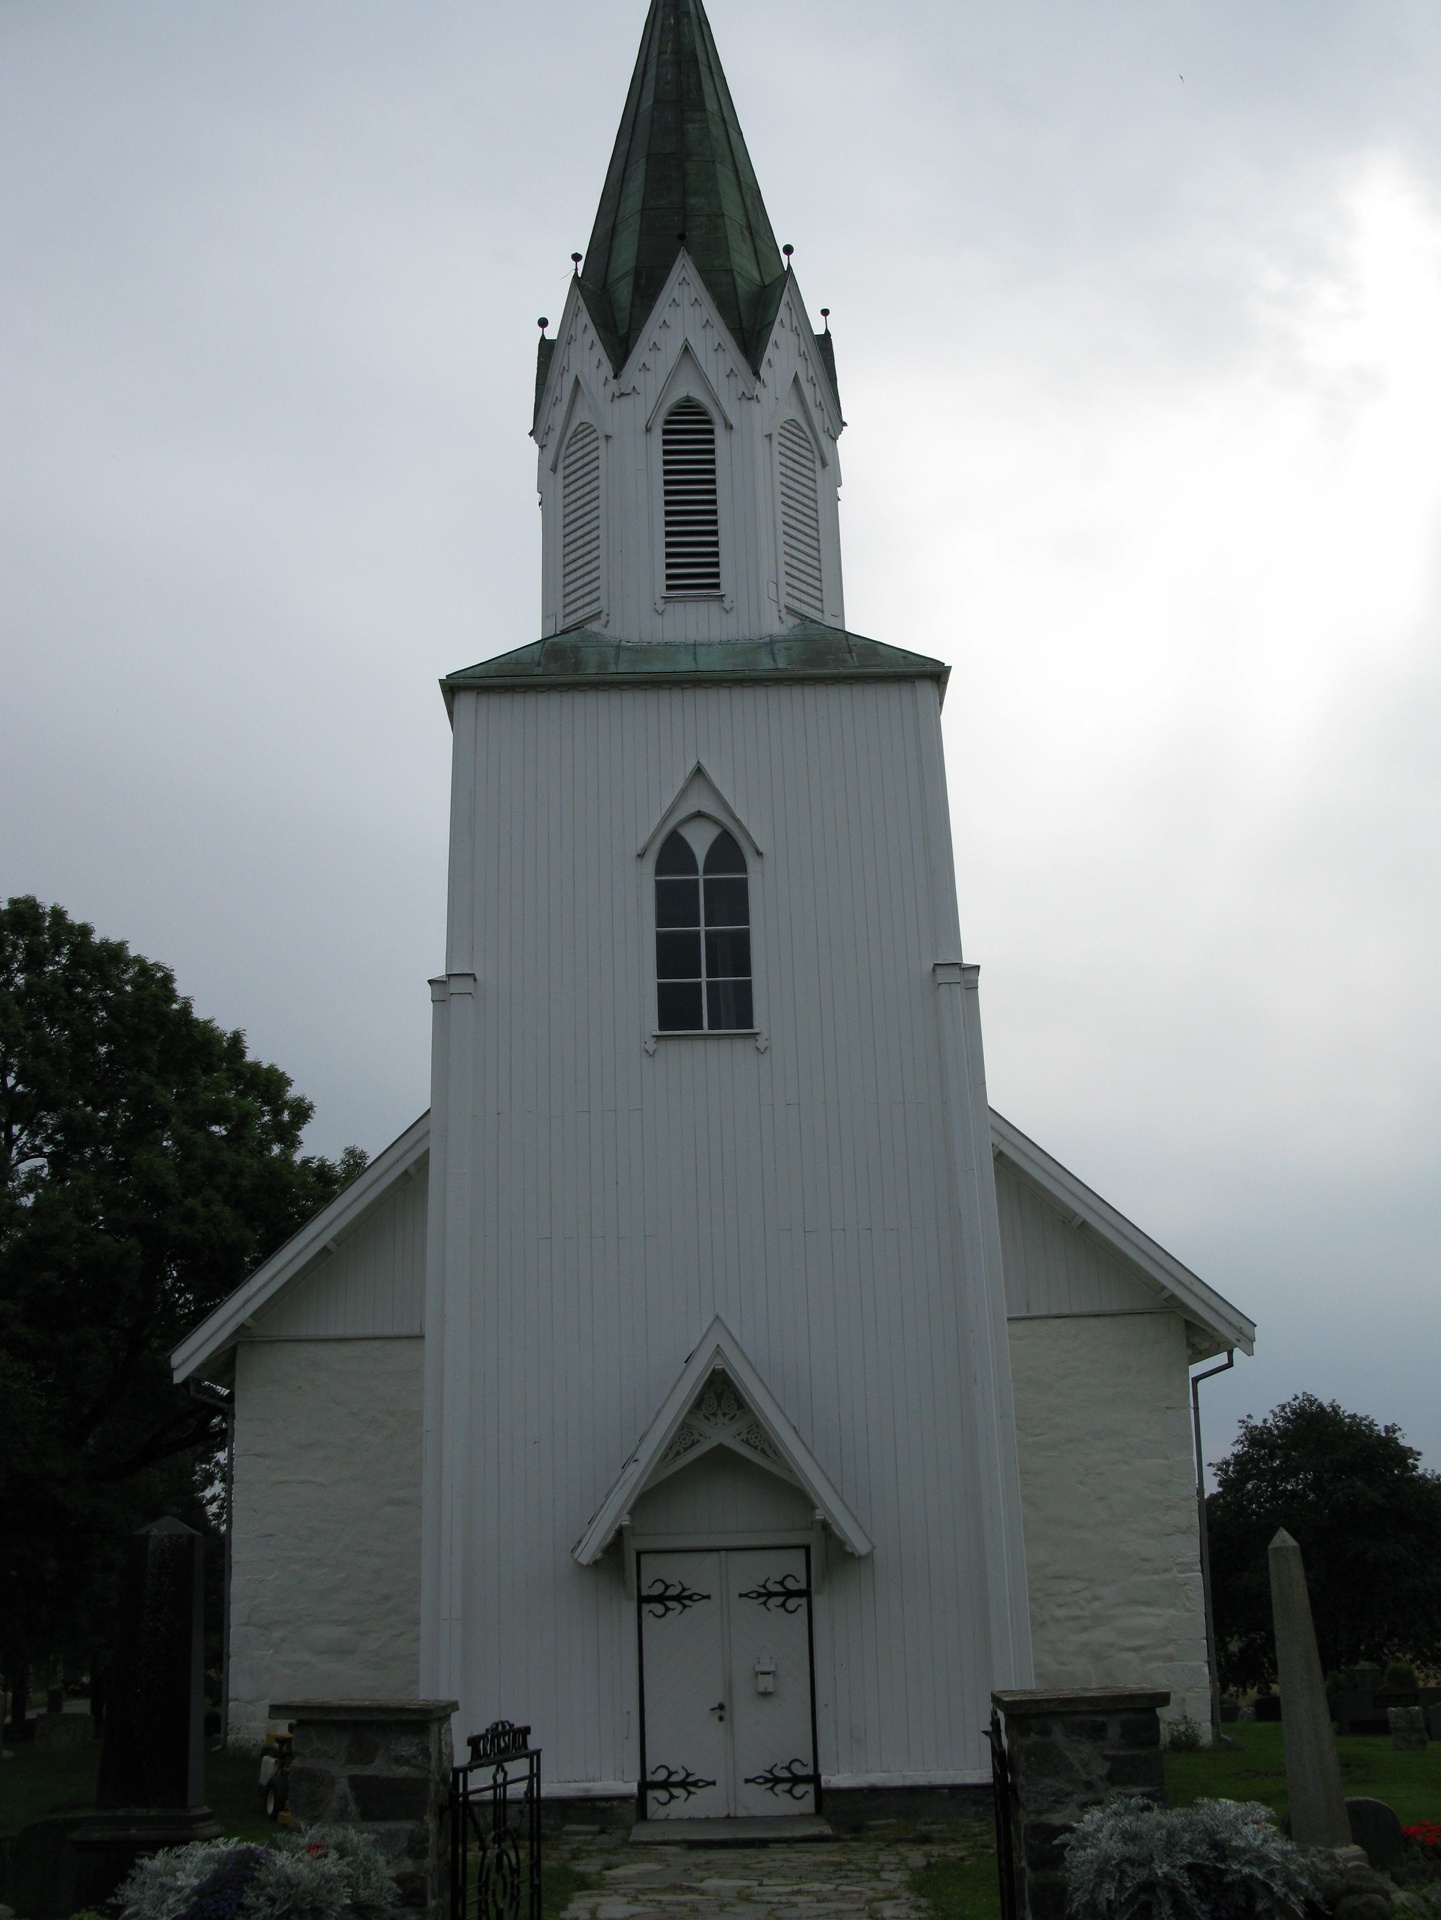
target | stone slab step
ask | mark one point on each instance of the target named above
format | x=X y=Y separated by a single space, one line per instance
x=769 y=1831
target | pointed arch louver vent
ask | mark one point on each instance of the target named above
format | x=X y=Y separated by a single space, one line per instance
x=800 y=522
x=692 y=516
x=580 y=527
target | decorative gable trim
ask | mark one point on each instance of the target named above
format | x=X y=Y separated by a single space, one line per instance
x=578 y=406
x=793 y=405
x=791 y=317
x=700 y=795
x=575 y=343
x=684 y=292
x=1201 y=1305
x=317 y=1239
x=688 y=379
x=775 y=1444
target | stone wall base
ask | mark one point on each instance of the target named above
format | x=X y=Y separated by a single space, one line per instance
x=383 y=1766
x=1071 y=1751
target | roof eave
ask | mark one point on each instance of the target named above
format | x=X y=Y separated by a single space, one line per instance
x=1198 y=1302
x=226 y=1324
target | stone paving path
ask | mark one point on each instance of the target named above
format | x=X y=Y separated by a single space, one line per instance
x=864 y=1877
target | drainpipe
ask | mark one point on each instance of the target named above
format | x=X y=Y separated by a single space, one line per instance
x=1196 y=1378
x=223 y=1402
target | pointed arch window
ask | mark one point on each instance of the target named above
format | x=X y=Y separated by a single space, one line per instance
x=580 y=527
x=703 y=937
x=800 y=522
x=692 y=512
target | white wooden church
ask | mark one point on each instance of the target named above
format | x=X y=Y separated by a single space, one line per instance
x=710 y=1379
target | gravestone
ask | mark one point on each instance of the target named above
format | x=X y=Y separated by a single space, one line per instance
x=1408 y=1729
x=1377 y=1828
x=1313 y=1772
x=154 y=1719
x=152 y=1765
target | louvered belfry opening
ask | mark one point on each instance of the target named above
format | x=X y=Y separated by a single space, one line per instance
x=800 y=522
x=692 y=515
x=580 y=598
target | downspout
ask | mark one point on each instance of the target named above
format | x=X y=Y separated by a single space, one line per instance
x=209 y=1396
x=1196 y=1378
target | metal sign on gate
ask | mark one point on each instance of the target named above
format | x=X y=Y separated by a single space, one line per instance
x=495 y=1827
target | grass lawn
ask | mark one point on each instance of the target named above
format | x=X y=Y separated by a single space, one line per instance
x=33 y=1784
x=959 y=1889
x=1256 y=1770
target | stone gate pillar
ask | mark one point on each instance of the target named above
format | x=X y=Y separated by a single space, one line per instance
x=384 y=1766
x=1069 y=1752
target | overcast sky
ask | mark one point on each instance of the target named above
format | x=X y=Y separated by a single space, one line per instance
x=1138 y=320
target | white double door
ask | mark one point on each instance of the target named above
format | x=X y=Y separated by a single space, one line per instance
x=725 y=1643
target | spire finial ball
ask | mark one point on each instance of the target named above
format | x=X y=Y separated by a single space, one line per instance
x=575 y=260
x=788 y=250
x=542 y=323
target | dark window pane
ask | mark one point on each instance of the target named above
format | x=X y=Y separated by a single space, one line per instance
x=726 y=953
x=724 y=856
x=676 y=856
x=677 y=903
x=677 y=956
x=729 y=1002
x=726 y=903
x=678 y=1007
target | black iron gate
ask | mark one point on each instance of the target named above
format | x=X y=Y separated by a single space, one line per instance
x=495 y=1827
x=1005 y=1817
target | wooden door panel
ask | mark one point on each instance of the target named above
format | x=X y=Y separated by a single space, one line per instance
x=682 y=1611
x=768 y=1602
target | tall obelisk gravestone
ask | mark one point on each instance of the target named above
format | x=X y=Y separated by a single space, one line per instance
x=152 y=1768
x=1313 y=1772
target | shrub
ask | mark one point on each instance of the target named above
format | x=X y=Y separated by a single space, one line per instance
x=1183 y=1735
x=1399 y=1674
x=1216 y=1860
x=319 y=1873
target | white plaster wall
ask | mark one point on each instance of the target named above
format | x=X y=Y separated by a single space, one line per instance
x=325 y=1596
x=1108 y=1495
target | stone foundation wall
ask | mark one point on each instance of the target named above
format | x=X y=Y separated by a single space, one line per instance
x=383 y=1766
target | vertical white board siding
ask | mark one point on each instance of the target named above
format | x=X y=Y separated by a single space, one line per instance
x=721 y=1494
x=687 y=351
x=1052 y=1267
x=372 y=1285
x=614 y=1200
x=326 y=1587
x=1103 y=1428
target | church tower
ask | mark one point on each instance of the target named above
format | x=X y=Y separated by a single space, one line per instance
x=720 y=1484
x=675 y=1385
x=686 y=412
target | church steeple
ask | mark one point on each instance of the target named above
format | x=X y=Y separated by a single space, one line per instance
x=680 y=174
x=686 y=411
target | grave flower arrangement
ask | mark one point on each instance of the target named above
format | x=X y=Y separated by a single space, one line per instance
x=1216 y=1860
x=319 y=1873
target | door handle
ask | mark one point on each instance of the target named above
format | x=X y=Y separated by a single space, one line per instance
x=720 y=1708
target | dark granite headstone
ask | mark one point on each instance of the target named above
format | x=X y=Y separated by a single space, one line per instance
x=1377 y=1828
x=153 y=1754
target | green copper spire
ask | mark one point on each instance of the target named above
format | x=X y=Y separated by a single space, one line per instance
x=680 y=168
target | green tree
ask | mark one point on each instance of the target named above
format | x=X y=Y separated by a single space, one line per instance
x=147 y=1164
x=1368 y=1521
